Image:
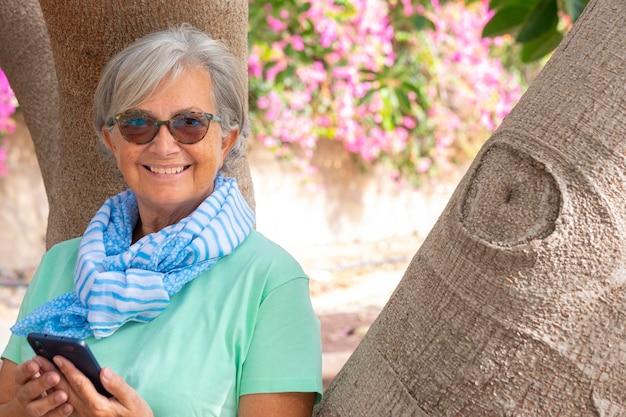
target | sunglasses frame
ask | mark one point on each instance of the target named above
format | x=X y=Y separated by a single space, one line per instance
x=159 y=123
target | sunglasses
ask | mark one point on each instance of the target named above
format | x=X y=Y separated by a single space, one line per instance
x=187 y=128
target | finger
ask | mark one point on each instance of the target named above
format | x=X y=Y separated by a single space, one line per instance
x=44 y=364
x=117 y=386
x=53 y=405
x=121 y=391
x=78 y=382
x=34 y=379
x=37 y=386
x=40 y=385
x=63 y=410
x=125 y=395
x=25 y=372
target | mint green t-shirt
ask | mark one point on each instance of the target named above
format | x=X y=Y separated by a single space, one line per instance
x=245 y=326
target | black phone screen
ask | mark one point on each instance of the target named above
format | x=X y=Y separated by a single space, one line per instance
x=74 y=350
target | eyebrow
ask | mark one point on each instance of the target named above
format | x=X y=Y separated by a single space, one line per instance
x=174 y=113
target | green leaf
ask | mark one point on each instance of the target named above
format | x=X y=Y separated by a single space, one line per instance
x=505 y=20
x=500 y=4
x=403 y=100
x=420 y=97
x=368 y=95
x=575 y=7
x=304 y=7
x=542 y=19
x=421 y=22
x=494 y=4
x=394 y=102
x=537 y=48
x=411 y=87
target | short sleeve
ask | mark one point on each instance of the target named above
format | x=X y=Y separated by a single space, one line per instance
x=13 y=350
x=285 y=352
x=59 y=263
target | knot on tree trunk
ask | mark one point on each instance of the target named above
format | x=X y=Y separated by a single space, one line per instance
x=511 y=198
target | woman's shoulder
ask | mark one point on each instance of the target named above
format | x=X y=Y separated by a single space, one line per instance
x=266 y=258
x=70 y=245
x=266 y=249
x=61 y=255
x=57 y=263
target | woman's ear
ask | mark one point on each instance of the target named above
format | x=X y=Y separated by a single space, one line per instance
x=229 y=141
x=108 y=140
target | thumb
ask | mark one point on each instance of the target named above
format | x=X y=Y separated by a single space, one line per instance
x=125 y=395
x=116 y=385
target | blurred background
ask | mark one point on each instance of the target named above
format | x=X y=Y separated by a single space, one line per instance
x=365 y=114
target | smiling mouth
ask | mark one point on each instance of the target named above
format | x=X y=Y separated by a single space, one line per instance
x=167 y=171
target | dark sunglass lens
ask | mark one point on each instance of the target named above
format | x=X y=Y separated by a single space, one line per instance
x=189 y=127
x=137 y=128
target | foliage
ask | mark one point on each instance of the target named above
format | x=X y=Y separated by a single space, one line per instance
x=416 y=88
x=409 y=84
x=538 y=25
x=8 y=105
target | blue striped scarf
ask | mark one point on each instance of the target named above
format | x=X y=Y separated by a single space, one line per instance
x=116 y=282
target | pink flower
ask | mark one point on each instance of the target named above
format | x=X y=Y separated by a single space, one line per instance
x=255 y=66
x=466 y=90
x=275 y=24
x=409 y=122
x=271 y=73
x=423 y=165
x=8 y=104
x=407 y=7
x=297 y=43
x=263 y=103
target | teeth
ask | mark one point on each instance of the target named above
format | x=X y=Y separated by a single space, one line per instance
x=167 y=171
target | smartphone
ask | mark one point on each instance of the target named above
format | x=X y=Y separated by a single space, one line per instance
x=74 y=350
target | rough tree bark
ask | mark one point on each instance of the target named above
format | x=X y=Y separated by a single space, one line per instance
x=80 y=37
x=26 y=59
x=515 y=303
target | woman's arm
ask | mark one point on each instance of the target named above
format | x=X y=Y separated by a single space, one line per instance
x=7 y=382
x=281 y=404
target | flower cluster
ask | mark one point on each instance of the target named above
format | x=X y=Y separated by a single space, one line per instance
x=364 y=72
x=8 y=105
x=471 y=92
x=307 y=72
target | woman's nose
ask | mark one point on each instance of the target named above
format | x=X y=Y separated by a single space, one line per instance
x=164 y=142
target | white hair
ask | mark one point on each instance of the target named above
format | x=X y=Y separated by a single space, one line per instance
x=132 y=75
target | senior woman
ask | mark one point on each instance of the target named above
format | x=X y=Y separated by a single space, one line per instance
x=189 y=310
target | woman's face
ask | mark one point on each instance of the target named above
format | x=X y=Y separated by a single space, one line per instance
x=171 y=179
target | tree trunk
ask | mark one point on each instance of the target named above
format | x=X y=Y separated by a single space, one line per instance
x=26 y=59
x=515 y=303
x=83 y=36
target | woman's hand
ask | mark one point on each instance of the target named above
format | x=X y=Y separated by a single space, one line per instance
x=32 y=390
x=87 y=402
